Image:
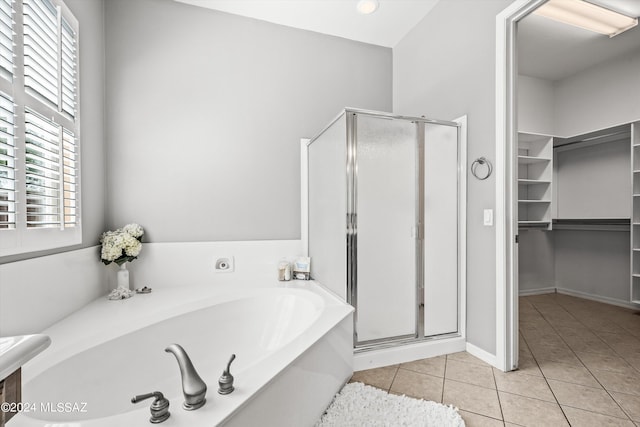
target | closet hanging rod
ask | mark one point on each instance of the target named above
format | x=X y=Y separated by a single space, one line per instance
x=607 y=135
x=592 y=221
x=593 y=224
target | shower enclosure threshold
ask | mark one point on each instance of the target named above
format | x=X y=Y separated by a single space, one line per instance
x=379 y=355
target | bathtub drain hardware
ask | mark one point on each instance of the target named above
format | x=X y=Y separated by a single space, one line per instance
x=159 y=408
x=225 y=383
x=224 y=265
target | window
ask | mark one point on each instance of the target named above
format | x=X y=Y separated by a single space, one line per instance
x=39 y=127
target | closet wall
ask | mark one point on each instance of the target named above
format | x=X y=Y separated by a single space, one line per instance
x=592 y=182
x=599 y=97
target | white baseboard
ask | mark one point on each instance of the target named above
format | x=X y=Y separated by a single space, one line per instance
x=538 y=291
x=598 y=298
x=579 y=294
x=483 y=355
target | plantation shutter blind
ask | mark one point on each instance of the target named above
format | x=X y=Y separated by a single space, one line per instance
x=41 y=49
x=68 y=61
x=70 y=168
x=7 y=121
x=50 y=173
x=42 y=172
x=39 y=127
x=7 y=164
x=6 y=39
x=51 y=152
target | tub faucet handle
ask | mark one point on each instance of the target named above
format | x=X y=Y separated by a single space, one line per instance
x=159 y=408
x=225 y=383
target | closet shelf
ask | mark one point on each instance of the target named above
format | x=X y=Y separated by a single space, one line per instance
x=635 y=213
x=533 y=181
x=592 y=224
x=535 y=176
x=532 y=159
x=531 y=224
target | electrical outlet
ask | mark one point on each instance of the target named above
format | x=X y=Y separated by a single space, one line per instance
x=224 y=265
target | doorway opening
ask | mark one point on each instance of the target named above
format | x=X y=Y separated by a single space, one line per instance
x=579 y=87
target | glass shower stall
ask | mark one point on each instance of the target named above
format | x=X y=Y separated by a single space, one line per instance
x=384 y=227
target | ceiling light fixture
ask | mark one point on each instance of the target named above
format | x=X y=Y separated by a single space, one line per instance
x=587 y=15
x=367 y=7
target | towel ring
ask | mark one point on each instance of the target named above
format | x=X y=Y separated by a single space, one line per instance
x=481 y=161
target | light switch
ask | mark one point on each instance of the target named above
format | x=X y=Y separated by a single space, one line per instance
x=488 y=217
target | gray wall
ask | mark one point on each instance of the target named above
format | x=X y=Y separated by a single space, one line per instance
x=90 y=14
x=603 y=96
x=594 y=181
x=594 y=263
x=206 y=111
x=536 y=260
x=536 y=105
x=445 y=68
x=600 y=97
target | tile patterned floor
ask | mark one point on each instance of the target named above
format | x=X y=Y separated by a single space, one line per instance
x=579 y=366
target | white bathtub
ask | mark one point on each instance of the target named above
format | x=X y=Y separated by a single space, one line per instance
x=293 y=344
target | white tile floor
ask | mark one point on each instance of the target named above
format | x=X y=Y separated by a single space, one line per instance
x=579 y=366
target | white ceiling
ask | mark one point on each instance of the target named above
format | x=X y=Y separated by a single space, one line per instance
x=546 y=49
x=550 y=50
x=385 y=27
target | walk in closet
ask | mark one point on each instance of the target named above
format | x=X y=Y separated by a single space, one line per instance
x=578 y=161
x=579 y=220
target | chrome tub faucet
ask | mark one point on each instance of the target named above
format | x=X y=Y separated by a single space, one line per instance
x=193 y=388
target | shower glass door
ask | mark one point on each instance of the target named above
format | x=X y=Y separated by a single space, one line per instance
x=385 y=185
x=440 y=229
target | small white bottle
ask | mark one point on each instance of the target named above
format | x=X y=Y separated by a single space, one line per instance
x=287 y=272
x=284 y=270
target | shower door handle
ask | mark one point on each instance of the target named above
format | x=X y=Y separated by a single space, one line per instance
x=351 y=224
x=415 y=232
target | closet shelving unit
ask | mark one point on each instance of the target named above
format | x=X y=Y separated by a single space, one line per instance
x=635 y=216
x=535 y=174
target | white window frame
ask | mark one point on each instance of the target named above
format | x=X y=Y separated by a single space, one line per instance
x=21 y=239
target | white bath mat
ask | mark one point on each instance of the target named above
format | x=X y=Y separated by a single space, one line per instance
x=359 y=405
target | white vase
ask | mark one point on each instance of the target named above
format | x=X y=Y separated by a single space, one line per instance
x=122 y=276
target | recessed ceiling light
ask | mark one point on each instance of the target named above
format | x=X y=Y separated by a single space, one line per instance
x=587 y=15
x=367 y=7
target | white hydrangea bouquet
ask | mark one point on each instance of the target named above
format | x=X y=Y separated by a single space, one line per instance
x=122 y=245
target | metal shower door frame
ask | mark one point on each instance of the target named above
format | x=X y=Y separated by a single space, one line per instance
x=351 y=115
